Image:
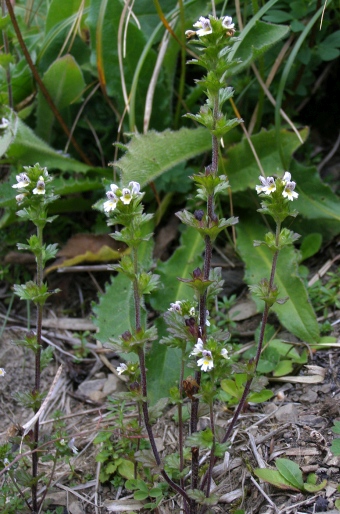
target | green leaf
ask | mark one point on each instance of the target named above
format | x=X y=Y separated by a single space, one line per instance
x=65 y=84
x=336 y=427
x=290 y=471
x=126 y=468
x=230 y=387
x=283 y=368
x=183 y=261
x=296 y=314
x=275 y=478
x=268 y=361
x=314 y=488
x=149 y=155
x=260 y=397
x=335 y=447
x=255 y=43
x=243 y=172
x=311 y=244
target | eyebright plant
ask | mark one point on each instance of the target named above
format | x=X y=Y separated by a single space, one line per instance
x=35 y=194
x=203 y=348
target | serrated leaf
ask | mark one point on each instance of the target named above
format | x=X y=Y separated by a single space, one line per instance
x=149 y=155
x=275 y=478
x=290 y=471
x=296 y=314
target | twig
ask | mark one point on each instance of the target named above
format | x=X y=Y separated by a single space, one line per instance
x=271 y=503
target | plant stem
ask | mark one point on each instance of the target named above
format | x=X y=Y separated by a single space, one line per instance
x=35 y=455
x=256 y=360
x=142 y=366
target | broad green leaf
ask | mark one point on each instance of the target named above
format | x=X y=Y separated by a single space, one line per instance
x=335 y=447
x=283 y=368
x=149 y=155
x=310 y=245
x=268 y=361
x=126 y=468
x=316 y=200
x=114 y=314
x=28 y=149
x=260 y=397
x=290 y=471
x=288 y=351
x=275 y=478
x=297 y=314
x=241 y=166
x=59 y=11
x=255 y=43
x=230 y=387
x=163 y=364
x=336 y=427
x=183 y=261
x=65 y=83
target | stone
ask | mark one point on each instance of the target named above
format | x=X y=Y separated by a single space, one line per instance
x=89 y=386
x=287 y=413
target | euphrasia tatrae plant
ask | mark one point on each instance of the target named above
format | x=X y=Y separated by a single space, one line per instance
x=35 y=194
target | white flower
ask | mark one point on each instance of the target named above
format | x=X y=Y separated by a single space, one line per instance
x=20 y=198
x=206 y=362
x=192 y=311
x=268 y=185
x=72 y=446
x=198 y=348
x=2 y=372
x=113 y=188
x=227 y=23
x=40 y=187
x=121 y=368
x=289 y=192
x=224 y=353
x=4 y=123
x=23 y=180
x=126 y=196
x=135 y=188
x=286 y=177
x=177 y=306
x=110 y=205
x=204 y=26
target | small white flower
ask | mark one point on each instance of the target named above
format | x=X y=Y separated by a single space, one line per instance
x=192 y=311
x=206 y=362
x=204 y=26
x=4 y=123
x=177 y=306
x=289 y=192
x=121 y=368
x=72 y=446
x=207 y=322
x=2 y=372
x=286 y=177
x=62 y=442
x=23 y=180
x=126 y=196
x=227 y=23
x=20 y=198
x=268 y=185
x=114 y=188
x=135 y=188
x=111 y=203
x=198 y=348
x=224 y=353
x=40 y=187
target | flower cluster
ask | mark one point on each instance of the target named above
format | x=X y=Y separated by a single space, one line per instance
x=204 y=27
x=129 y=368
x=27 y=184
x=206 y=362
x=124 y=195
x=268 y=186
x=178 y=307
